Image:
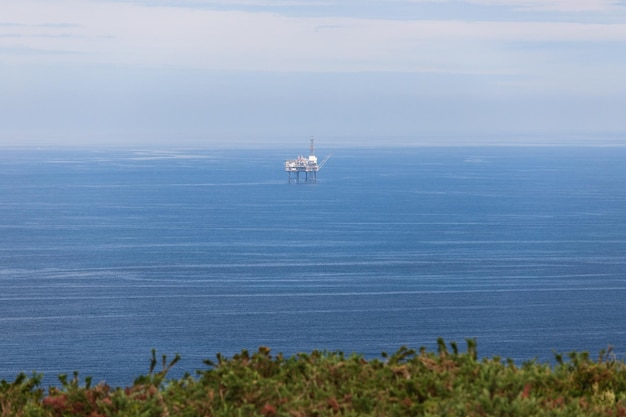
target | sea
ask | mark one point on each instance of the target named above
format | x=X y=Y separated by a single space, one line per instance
x=106 y=254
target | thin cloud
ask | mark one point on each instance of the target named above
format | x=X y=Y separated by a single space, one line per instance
x=227 y=3
x=553 y=5
x=11 y=25
x=130 y=34
x=41 y=25
x=319 y=28
x=539 y=5
x=60 y=25
x=27 y=51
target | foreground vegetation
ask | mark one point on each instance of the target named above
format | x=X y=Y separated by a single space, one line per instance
x=406 y=383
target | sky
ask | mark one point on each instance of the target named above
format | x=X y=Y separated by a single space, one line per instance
x=356 y=73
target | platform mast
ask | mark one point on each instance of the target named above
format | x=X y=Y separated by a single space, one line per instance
x=312 y=159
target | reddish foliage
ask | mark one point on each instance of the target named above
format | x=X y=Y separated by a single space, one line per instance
x=268 y=410
x=57 y=402
x=333 y=403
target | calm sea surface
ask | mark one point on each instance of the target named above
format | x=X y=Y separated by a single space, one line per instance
x=106 y=254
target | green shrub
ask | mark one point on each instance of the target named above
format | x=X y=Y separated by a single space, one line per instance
x=322 y=383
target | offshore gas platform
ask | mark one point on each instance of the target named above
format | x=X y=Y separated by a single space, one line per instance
x=307 y=166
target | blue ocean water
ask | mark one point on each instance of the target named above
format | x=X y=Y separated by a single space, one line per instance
x=106 y=254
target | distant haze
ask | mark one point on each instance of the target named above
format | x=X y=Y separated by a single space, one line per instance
x=356 y=73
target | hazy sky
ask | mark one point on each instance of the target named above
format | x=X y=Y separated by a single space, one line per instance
x=344 y=71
